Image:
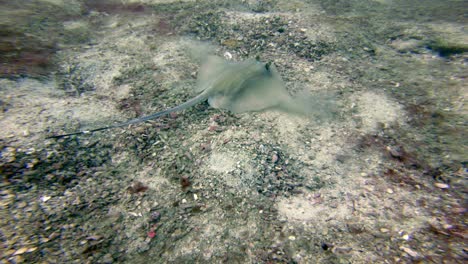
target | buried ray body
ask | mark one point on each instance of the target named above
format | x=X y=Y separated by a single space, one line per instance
x=238 y=87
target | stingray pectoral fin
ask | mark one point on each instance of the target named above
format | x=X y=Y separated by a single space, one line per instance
x=210 y=69
x=258 y=94
x=201 y=97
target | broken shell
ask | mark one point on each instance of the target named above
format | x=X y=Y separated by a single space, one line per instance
x=227 y=55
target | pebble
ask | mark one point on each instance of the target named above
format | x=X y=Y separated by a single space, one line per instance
x=292 y=238
x=406 y=237
x=409 y=251
x=274 y=158
x=9 y=154
x=107 y=258
x=441 y=185
x=227 y=55
x=325 y=231
x=24 y=250
x=16 y=259
x=21 y=205
x=155 y=216
x=45 y=198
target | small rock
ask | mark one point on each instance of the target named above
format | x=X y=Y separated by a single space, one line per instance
x=17 y=259
x=410 y=252
x=325 y=231
x=326 y=246
x=9 y=154
x=155 y=216
x=137 y=187
x=292 y=238
x=341 y=250
x=107 y=258
x=53 y=235
x=173 y=115
x=45 y=198
x=21 y=205
x=205 y=146
x=406 y=237
x=185 y=182
x=274 y=158
x=395 y=152
x=441 y=185
x=24 y=250
x=134 y=214
x=93 y=237
x=227 y=55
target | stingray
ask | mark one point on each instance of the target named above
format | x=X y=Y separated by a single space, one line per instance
x=239 y=87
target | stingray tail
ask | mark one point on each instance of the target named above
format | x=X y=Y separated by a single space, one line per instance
x=199 y=98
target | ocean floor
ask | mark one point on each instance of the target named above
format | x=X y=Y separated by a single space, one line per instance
x=376 y=173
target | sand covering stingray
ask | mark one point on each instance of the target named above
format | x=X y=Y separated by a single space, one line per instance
x=235 y=86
